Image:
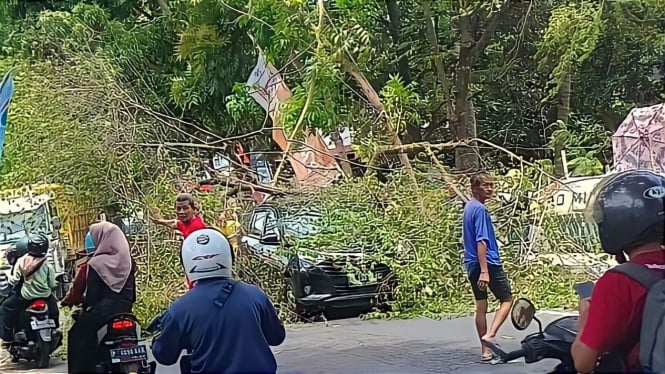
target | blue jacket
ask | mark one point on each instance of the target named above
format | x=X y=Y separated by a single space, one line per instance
x=232 y=338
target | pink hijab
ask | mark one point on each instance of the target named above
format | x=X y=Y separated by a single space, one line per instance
x=111 y=259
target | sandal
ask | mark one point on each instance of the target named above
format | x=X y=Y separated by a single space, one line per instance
x=488 y=357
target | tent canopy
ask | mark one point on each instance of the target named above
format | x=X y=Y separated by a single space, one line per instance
x=639 y=142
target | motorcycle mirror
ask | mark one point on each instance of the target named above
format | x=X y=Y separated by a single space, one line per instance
x=63 y=278
x=522 y=314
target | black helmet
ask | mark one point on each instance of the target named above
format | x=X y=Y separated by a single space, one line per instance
x=38 y=244
x=628 y=210
x=19 y=250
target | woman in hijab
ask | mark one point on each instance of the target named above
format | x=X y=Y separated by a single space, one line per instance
x=110 y=289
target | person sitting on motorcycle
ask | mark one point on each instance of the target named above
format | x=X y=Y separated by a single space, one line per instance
x=110 y=289
x=34 y=277
x=20 y=249
x=629 y=213
x=75 y=294
x=227 y=326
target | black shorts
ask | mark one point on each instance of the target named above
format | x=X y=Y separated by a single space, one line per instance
x=499 y=284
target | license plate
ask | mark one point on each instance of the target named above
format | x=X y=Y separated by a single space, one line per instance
x=131 y=354
x=42 y=324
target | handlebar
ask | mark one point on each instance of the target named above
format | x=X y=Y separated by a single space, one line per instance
x=504 y=356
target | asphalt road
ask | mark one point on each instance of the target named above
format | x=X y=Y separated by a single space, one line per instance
x=378 y=346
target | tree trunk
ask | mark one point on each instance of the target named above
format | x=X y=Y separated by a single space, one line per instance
x=562 y=114
x=395 y=18
x=466 y=159
x=437 y=57
x=470 y=49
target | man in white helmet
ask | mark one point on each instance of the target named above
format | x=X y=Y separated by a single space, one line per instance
x=227 y=326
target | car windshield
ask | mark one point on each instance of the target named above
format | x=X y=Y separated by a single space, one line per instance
x=14 y=226
x=295 y=223
x=302 y=226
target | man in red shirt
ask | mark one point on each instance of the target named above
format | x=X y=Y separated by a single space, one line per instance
x=628 y=210
x=188 y=219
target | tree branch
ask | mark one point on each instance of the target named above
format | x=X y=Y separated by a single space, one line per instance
x=164 y=6
x=490 y=29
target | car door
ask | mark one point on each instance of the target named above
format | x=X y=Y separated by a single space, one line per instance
x=263 y=237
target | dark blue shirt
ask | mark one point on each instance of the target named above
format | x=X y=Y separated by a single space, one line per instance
x=235 y=338
x=477 y=226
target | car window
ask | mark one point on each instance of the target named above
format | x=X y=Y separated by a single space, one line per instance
x=270 y=226
x=264 y=222
x=258 y=223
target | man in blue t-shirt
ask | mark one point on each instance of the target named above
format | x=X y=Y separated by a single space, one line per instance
x=482 y=262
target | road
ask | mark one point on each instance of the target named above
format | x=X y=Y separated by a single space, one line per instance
x=378 y=346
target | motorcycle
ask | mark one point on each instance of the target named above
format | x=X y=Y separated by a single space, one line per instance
x=554 y=342
x=120 y=346
x=35 y=338
x=35 y=335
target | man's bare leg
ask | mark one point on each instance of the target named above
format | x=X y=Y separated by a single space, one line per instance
x=481 y=326
x=499 y=318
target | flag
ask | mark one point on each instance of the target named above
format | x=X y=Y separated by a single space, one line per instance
x=6 y=93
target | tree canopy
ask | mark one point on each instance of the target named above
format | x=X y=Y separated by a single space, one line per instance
x=120 y=98
x=534 y=77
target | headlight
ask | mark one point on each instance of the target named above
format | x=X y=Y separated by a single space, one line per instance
x=305 y=263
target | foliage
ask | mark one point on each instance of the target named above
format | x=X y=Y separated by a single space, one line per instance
x=424 y=250
x=571 y=37
x=48 y=105
x=587 y=144
x=105 y=90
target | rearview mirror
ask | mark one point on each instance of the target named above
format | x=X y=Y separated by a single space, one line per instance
x=57 y=224
x=522 y=313
x=63 y=278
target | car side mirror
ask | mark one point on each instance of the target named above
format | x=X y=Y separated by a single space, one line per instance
x=270 y=239
x=57 y=224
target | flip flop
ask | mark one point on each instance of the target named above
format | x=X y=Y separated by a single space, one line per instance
x=491 y=357
x=488 y=357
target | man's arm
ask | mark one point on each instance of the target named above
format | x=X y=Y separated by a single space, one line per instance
x=75 y=294
x=16 y=273
x=52 y=283
x=482 y=256
x=272 y=327
x=167 y=345
x=605 y=322
x=157 y=218
x=481 y=217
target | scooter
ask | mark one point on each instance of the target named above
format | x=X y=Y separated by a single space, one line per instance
x=35 y=335
x=554 y=342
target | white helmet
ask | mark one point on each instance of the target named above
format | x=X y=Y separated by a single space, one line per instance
x=206 y=253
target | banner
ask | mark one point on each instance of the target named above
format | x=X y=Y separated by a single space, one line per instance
x=312 y=163
x=6 y=93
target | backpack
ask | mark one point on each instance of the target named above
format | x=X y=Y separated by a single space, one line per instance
x=652 y=332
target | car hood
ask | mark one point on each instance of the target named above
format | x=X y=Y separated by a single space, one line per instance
x=318 y=256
